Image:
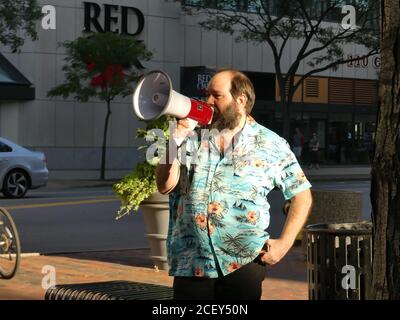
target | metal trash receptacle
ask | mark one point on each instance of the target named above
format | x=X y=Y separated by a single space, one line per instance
x=339 y=260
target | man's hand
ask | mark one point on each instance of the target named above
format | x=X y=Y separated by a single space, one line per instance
x=183 y=129
x=168 y=170
x=273 y=251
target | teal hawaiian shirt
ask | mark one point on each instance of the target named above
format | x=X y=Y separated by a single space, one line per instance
x=219 y=212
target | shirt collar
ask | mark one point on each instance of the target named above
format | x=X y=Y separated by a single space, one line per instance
x=249 y=129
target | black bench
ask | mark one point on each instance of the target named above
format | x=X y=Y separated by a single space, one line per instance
x=111 y=290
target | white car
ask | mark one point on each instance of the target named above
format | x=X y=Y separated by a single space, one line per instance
x=20 y=169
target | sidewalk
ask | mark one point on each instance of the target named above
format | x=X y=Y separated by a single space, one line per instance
x=285 y=281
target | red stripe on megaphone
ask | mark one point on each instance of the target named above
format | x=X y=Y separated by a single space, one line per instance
x=201 y=112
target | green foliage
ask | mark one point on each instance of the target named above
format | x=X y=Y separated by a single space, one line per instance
x=101 y=50
x=137 y=186
x=101 y=65
x=15 y=16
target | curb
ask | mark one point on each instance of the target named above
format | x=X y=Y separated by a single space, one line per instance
x=30 y=254
x=57 y=253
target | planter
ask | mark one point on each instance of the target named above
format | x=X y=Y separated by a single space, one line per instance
x=333 y=206
x=155 y=211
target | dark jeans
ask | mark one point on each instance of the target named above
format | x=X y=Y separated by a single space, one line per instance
x=314 y=157
x=242 y=284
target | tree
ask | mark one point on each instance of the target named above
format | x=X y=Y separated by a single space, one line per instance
x=276 y=22
x=18 y=15
x=102 y=65
x=385 y=184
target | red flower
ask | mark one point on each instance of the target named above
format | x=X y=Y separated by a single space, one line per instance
x=90 y=66
x=201 y=220
x=198 y=272
x=233 y=266
x=214 y=208
x=252 y=216
x=106 y=77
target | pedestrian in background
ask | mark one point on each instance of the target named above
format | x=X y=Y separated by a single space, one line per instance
x=297 y=144
x=314 y=147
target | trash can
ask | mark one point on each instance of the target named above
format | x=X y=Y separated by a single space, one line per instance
x=339 y=260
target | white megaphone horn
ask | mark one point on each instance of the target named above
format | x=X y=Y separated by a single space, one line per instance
x=154 y=97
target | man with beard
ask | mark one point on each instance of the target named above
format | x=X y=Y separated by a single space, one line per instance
x=217 y=243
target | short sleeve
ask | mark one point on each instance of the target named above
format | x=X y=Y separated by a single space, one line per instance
x=289 y=177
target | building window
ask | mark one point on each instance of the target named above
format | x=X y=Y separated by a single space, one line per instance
x=312 y=88
x=341 y=91
x=353 y=91
x=366 y=92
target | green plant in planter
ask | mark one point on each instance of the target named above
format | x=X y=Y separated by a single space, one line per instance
x=137 y=186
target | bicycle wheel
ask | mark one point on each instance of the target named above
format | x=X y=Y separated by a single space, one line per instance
x=10 y=248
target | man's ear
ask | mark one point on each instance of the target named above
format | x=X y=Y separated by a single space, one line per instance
x=242 y=100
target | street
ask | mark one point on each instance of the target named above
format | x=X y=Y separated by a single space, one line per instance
x=51 y=220
x=80 y=219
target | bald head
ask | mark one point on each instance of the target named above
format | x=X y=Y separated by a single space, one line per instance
x=239 y=84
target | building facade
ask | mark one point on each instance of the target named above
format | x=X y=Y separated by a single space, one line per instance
x=339 y=105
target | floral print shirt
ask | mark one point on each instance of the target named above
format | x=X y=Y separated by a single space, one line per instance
x=219 y=212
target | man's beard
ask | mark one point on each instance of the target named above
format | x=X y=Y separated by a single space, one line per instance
x=229 y=119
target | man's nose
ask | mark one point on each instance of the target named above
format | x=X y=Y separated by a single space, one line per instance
x=210 y=100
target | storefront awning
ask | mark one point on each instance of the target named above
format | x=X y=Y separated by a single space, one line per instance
x=13 y=84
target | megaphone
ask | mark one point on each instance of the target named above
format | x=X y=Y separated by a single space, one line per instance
x=154 y=97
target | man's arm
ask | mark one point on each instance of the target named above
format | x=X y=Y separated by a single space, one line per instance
x=168 y=170
x=299 y=210
x=167 y=176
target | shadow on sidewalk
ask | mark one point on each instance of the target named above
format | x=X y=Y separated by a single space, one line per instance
x=292 y=267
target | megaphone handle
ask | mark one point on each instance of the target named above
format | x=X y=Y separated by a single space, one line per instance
x=192 y=124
